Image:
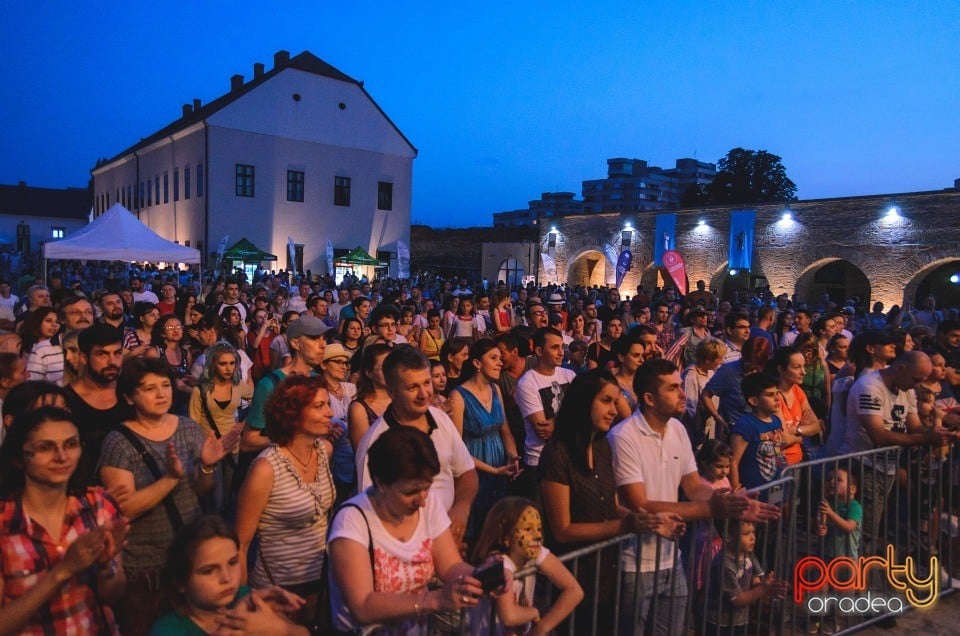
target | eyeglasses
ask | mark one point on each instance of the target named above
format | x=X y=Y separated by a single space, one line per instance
x=340 y=361
x=173 y=328
x=50 y=447
x=79 y=312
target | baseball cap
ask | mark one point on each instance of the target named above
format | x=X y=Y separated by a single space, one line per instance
x=309 y=326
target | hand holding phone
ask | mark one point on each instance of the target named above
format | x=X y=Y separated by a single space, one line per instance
x=490 y=576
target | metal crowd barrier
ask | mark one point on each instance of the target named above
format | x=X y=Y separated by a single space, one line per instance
x=908 y=557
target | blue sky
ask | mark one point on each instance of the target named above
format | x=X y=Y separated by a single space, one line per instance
x=508 y=100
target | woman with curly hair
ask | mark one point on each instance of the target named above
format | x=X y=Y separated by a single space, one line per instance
x=288 y=494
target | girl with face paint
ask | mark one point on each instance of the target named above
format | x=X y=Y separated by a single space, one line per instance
x=513 y=532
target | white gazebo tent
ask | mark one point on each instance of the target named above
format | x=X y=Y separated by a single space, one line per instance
x=117 y=235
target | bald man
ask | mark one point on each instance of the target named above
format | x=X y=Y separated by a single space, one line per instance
x=883 y=407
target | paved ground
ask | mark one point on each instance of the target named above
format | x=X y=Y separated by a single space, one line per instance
x=942 y=618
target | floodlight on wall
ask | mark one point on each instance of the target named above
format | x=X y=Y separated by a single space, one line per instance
x=701 y=223
x=787 y=216
x=892 y=213
x=553 y=228
x=955 y=279
x=734 y=272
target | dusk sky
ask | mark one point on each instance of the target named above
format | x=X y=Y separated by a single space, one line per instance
x=505 y=101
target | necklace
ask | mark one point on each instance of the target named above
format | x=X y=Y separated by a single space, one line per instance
x=301 y=461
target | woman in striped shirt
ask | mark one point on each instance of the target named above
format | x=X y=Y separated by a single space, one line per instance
x=45 y=359
x=288 y=494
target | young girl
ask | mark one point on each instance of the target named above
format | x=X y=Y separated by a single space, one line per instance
x=438 y=377
x=203 y=589
x=514 y=532
x=714 y=461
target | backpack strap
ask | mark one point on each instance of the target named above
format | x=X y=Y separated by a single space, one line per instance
x=172 y=511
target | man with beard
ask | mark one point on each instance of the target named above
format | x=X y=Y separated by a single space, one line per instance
x=93 y=398
x=76 y=313
x=112 y=307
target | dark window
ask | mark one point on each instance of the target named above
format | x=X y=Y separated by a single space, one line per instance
x=141 y=200
x=156 y=188
x=186 y=182
x=149 y=195
x=384 y=195
x=294 y=185
x=199 y=179
x=166 y=187
x=552 y=239
x=176 y=184
x=341 y=190
x=130 y=196
x=625 y=237
x=244 y=185
x=186 y=243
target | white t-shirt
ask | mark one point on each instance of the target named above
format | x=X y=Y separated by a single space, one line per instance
x=537 y=392
x=146 y=296
x=641 y=456
x=455 y=459
x=522 y=591
x=8 y=307
x=870 y=396
x=399 y=566
x=297 y=304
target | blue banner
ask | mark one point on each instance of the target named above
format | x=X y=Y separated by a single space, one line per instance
x=741 y=239
x=664 y=237
x=623 y=265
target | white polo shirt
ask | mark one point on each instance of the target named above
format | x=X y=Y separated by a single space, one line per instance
x=641 y=456
x=455 y=459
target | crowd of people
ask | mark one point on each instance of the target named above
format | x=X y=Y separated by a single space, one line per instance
x=276 y=456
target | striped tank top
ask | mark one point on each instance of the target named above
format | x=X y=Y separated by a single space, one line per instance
x=293 y=525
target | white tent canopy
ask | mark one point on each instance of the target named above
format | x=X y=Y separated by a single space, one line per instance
x=119 y=236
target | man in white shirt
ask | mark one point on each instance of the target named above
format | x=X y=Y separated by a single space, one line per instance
x=884 y=405
x=343 y=300
x=140 y=292
x=298 y=303
x=538 y=394
x=652 y=459
x=407 y=374
x=8 y=304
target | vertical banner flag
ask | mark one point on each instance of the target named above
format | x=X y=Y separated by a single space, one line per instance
x=664 y=237
x=677 y=270
x=329 y=257
x=292 y=251
x=623 y=265
x=403 y=260
x=221 y=248
x=740 y=255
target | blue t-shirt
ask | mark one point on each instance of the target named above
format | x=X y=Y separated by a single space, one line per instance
x=726 y=384
x=763 y=460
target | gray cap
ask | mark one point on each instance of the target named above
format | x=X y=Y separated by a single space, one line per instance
x=306 y=326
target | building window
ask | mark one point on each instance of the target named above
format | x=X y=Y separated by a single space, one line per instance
x=294 y=186
x=176 y=184
x=199 y=179
x=149 y=195
x=166 y=187
x=156 y=189
x=244 y=185
x=341 y=190
x=130 y=196
x=141 y=200
x=186 y=182
x=57 y=232
x=186 y=243
x=384 y=195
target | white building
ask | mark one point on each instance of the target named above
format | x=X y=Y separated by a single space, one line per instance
x=31 y=216
x=300 y=151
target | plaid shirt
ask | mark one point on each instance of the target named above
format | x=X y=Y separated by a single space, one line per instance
x=28 y=552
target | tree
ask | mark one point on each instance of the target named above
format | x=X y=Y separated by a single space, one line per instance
x=750 y=176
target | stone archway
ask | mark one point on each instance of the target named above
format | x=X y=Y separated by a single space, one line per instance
x=587 y=269
x=725 y=285
x=935 y=279
x=835 y=277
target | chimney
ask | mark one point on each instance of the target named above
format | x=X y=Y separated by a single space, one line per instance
x=280 y=58
x=187 y=109
x=196 y=104
x=236 y=83
x=956 y=184
x=257 y=70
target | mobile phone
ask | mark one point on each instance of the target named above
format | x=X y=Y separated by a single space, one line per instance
x=491 y=577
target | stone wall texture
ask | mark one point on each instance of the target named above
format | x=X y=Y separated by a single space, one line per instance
x=893 y=253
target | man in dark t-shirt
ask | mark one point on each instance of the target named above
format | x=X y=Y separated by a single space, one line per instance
x=93 y=398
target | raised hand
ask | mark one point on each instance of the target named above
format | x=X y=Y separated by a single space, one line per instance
x=216 y=448
x=84 y=552
x=174 y=465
